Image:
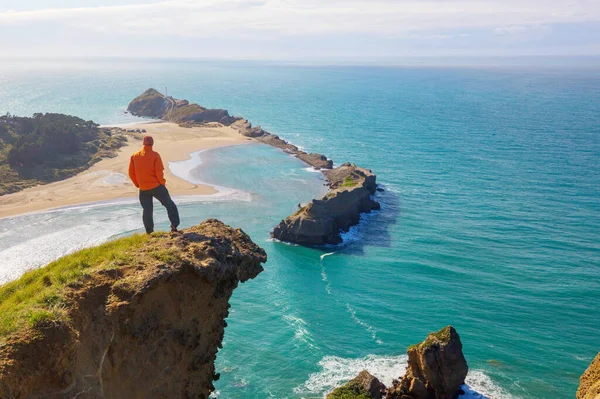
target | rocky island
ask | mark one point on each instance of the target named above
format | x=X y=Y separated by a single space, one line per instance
x=139 y=317
x=320 y=222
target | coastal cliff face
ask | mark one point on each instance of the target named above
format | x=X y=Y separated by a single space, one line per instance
x=153 y=104
x=436 y=370
x=323 y=220
x=145 y=323
x=589 y=387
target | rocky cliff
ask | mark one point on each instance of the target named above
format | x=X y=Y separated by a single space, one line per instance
x=142 y=322
x=153 y=104
x=589 y=387
x=323 y=220
x=436 y=370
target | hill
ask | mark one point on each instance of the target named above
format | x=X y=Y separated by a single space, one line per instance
x=50 y=147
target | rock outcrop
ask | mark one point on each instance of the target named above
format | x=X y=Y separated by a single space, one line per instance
x=589 y=387
x=323 y=220
x=154 y=104
x=149 y=328
x=436 y=368
x=364 y=386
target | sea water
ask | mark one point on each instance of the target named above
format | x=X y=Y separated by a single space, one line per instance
x=490 y=217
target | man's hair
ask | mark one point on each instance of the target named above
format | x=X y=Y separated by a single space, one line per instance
x=148 y=140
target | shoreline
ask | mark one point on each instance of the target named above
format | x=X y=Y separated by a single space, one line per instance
x=108 y=180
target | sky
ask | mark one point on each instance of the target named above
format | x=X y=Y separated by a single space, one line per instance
x=354 y=30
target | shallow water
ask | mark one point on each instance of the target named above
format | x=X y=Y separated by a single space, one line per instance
x=490 y=220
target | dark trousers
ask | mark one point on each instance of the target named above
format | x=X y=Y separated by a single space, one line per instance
x=162 y=195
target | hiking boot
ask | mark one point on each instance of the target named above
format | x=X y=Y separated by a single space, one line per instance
x=174 y=229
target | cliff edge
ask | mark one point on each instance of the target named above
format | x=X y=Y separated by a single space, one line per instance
x=589 y=387
x=142 y=316
x=323 y=220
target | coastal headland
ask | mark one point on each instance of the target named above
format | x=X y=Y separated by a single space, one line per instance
x=320 y=222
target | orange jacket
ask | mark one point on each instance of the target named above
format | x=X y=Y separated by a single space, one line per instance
x=146 y=169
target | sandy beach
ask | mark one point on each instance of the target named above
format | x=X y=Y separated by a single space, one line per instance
x=108 y=179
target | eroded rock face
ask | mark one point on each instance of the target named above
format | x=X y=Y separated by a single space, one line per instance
x=589 y=387
x=323 y=220
x=154 y=104
x=364 y=386
x=436 y=368
x=150 y=329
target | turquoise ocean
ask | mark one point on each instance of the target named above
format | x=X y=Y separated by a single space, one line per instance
x=490 y=217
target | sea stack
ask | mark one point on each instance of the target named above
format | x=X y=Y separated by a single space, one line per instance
x=436 y=368
x=145 y=322
x=323 y=220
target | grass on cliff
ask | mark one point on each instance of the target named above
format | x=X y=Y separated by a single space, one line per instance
x=442 y=336
x=36 y=298
x=349 y=181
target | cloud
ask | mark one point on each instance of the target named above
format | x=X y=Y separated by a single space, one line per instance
x=300 y=28
x=202 y=18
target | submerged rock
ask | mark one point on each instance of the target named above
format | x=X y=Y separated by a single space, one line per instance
x=436 y=368
x=149 y=328
x=589 y=387
x=323 y=220
x=364 y=386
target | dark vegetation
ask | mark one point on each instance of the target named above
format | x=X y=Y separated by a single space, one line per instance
x=49 y=147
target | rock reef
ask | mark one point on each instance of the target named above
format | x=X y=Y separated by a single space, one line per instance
x=149 y=328
x=589 y=387
x=436 y=370
x=323 y=220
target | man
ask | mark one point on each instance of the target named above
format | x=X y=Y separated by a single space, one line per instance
x=146 y=172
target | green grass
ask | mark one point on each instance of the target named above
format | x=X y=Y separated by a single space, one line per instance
x=36 y=298
x=442 y=336
x=349 y=181
x=352 y=390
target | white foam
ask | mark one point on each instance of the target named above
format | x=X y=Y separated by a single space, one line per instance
x=312 y=170
x=364 y=324
x=336 y=371
x=324 y=274
x=301 y=332
x=480 y=386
